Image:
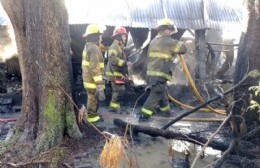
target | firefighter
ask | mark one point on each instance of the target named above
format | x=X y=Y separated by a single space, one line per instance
x=161 y=52
x=116 y=69
x=93 y=72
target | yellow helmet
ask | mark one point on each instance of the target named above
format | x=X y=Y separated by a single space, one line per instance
x=92 y=29
x=167 y=23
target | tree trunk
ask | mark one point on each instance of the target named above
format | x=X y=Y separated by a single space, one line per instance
x=42 y=37
x=247 y=60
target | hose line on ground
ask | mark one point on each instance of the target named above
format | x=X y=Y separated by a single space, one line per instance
x=187 y=73
x=185 y=105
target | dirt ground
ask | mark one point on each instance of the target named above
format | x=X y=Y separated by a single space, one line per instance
x=149 y=152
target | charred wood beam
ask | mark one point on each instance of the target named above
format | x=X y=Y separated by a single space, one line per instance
x=156 y=132
x=191 y=32
x=252 y=133
x=222 y=44
x=247 y=149
x=211 y=50
x=225 y=50
x=200 y=54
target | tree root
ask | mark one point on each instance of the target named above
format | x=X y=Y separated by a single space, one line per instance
x=52 y=157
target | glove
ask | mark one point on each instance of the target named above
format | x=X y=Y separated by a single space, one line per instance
x=100 y=92
x=82 y=115
x=148 y=88
x=101 y=95
x=129 y=65
x=127 y=51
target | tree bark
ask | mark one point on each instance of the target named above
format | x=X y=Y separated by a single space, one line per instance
x=42 y=37
x=247 y=60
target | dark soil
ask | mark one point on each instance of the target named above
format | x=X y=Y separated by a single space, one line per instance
x=84 y=153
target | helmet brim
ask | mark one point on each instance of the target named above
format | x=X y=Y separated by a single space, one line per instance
x=85 y=35
x=119 y=34
x=173 y=28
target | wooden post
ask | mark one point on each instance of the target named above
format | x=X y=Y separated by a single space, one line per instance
x=200 y=54
x=215 y=51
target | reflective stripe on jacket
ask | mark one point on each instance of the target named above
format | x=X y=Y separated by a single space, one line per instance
x=161 y=53
x=92 y=66
x=116 y=61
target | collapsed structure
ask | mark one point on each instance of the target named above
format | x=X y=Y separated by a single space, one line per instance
x=203 y=20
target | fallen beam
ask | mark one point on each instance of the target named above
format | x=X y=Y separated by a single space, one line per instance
x=157 y=132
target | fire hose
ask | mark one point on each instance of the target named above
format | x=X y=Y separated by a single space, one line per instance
x=185 y=105
x=199 y=97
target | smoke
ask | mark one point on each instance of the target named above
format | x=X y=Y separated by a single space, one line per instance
x=8 y=47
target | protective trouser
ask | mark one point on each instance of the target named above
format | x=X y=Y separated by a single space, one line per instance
x=117 y=93
x=2 y=78
x=92 y=106
x=157 y=96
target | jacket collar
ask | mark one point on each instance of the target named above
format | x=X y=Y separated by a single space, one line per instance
x=120 y=44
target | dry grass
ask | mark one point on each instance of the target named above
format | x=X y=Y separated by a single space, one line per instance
x=113 y=153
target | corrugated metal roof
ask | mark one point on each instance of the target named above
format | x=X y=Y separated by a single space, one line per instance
x=144 y=14
x=187 y=14
x=199 y=14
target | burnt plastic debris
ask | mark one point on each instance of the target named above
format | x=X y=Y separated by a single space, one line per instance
x=6 y=101
x=6 y=109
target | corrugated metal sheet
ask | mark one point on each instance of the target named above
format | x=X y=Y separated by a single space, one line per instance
x=221 y=14
x=199 y=14
x=145 y=13
x=187 y=14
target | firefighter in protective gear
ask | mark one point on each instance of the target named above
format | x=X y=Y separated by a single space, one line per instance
x=93 y=72
x=115 y=70
x=167 y=23
x=161 y=52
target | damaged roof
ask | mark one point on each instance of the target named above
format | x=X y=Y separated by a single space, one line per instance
x=187 y=14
